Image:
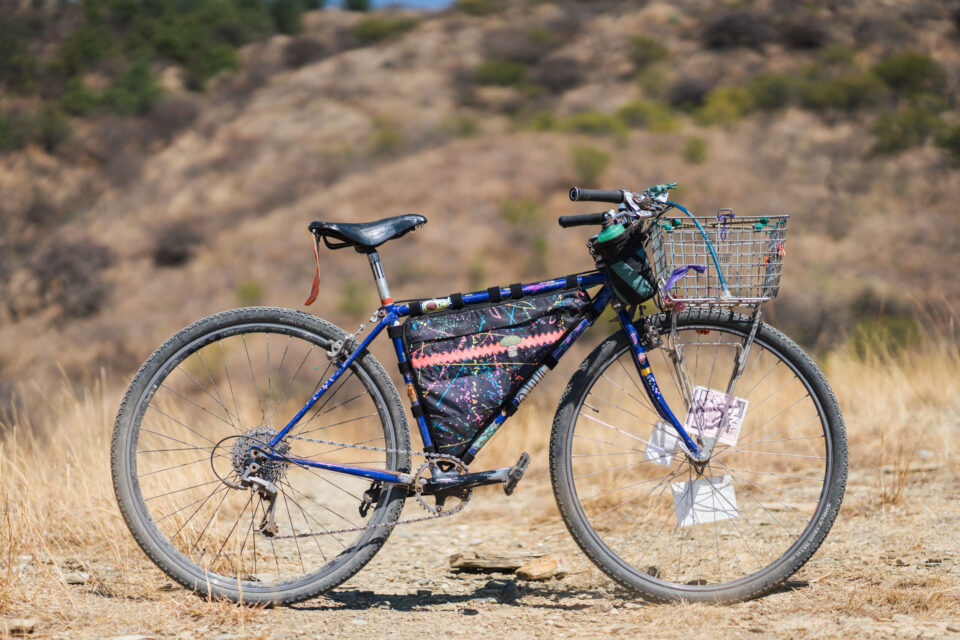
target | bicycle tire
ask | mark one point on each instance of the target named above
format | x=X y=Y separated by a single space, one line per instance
x=209 y=348
x=687 y=581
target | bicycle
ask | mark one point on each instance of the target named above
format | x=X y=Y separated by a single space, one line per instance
x=239 y=488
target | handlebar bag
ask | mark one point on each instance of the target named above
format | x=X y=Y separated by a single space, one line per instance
x=624 y=259
x=468 y=363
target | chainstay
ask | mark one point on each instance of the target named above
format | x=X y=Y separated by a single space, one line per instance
x=429 y=456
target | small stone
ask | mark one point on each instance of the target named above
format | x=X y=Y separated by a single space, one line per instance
x=924 y=454
x=484 y=600
x=76 y=577
x=424 y=593
x=358 y=621
x=18 y=626
x=168 y=587
x=551 y=566
x=483 y=562
x=510 y=593
x=470 y=612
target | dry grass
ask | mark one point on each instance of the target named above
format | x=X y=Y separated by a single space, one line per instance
x=59 y=514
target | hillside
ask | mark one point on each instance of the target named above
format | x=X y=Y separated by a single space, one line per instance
x=842 y=116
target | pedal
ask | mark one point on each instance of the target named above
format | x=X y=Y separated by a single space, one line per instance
x=515 y=473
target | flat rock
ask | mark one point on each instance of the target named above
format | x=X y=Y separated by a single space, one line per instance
x=76 y=577
x=551 y=566
x=18 y=626
x=482 y=562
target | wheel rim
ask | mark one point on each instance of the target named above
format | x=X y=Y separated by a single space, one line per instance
x=777 y=472
x=231 y=386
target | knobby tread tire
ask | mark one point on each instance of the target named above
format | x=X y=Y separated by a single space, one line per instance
x=307 y=588
x=771 y=576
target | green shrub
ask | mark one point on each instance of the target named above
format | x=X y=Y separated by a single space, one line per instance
x=476 y=7
x=14 y=131
x=388 y=140
x=543 y=121
x=477 y=272
x=52 y=127
x=18 y=67
x=736 y=28
x=355 y=299
x=78 y=99
x=521 y=212
x=589 y=163
x=463 y=126
x=207 y=61
x=539 y=251
x=695 y=150
x=373 y=29
x=771 y=91
x=725 y=105
x=847 y=92
x=135 y=91
x=87 y=44
x=948 y=140
x=911 y=72
x=805 y=32
x=909 y=127
x=502 y=73
x=595 y=123
x=250 y=293
x=288 y=15
x=838 y=55
x=558 y=73
x=642 y=114
x=645 y=50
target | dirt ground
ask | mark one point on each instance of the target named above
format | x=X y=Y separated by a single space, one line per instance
x=884 y=572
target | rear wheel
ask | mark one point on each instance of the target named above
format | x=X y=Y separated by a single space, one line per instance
x=187 y=430
x=732 y=529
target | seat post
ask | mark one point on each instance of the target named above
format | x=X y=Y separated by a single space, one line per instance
x=377 y=269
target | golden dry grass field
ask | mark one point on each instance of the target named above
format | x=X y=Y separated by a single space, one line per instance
x=889 y=568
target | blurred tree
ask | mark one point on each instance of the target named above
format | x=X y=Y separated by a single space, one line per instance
x=135 y=91
x=357 y=5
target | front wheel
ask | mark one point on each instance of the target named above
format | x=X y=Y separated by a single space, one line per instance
x=726 y=531
x=191 y=425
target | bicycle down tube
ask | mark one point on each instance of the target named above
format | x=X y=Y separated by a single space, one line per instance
x=393 y=312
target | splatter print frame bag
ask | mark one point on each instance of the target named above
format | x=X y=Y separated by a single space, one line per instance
x=468 y=363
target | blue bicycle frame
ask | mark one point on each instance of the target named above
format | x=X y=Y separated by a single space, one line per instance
x=390 y=314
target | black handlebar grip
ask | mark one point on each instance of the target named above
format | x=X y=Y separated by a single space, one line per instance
x=596 y=195
x=581 y=220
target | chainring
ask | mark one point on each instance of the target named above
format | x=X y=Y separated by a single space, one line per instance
x=439 y=507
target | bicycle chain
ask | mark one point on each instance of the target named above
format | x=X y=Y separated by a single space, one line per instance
x=430 y=456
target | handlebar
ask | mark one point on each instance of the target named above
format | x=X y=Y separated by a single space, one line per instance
x=581 y=220
x=614 y=196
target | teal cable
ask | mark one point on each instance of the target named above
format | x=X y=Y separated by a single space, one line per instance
x=723 y=283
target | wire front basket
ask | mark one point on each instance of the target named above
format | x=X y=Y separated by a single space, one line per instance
x=748 y=250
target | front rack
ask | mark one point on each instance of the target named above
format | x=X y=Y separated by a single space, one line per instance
x=749 y=251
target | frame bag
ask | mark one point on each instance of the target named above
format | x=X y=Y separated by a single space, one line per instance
x=625 y=262
x=468 y=363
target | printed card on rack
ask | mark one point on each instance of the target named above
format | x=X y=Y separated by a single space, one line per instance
x=705 y=412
